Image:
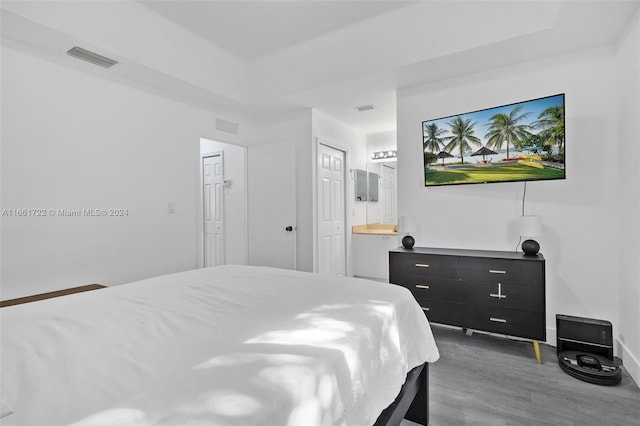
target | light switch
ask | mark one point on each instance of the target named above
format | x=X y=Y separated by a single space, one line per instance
x=172 y=207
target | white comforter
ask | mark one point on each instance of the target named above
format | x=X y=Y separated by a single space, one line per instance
x=231 y=345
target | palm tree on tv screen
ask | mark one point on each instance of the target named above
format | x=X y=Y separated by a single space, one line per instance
x=507 y=128
x=463 y=135
x=433 y=137
x=551 y=121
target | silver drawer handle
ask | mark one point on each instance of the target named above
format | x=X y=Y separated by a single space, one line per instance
x=499 y=295
x=422 y=286
x=424 y=309
x=498 y=320
x=422 y=265
x=496 y=271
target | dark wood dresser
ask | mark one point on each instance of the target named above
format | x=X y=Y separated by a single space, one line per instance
x=494 y=291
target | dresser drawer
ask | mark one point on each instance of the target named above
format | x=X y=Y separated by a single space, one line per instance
x=530 y=273
x=441 y=312
x=430 y=287
x=530 y=325
x=498 y=295
x=422 y=264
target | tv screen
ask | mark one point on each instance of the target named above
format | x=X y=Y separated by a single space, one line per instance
x=524 y=141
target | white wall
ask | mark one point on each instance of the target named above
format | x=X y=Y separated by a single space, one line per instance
x=628 y=189
x=382 y=141
x=579 y=214
x=71 y=140
x=234 y=199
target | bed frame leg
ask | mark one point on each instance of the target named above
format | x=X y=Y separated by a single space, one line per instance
x=419 y=410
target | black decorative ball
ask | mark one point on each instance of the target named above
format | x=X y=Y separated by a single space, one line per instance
x=408 y=241
x=530 y=247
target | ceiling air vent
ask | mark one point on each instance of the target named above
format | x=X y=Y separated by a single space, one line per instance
x=364 y=108
x=94 y=58
x=226 y=126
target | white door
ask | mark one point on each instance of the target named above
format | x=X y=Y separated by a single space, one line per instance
x=388 y=197
x=331 y=211
x=213 y=217
x=272 y=205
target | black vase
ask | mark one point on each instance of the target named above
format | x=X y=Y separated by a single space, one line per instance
x=530 y=247
x=408 y=241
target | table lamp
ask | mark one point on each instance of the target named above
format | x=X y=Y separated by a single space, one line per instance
x=407 y=226
x=530 y=226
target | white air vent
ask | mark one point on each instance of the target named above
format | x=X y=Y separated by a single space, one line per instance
x=364 y=108
x=227 y=126
x=94 y=58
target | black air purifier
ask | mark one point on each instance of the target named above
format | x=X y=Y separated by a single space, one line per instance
x=585 y=350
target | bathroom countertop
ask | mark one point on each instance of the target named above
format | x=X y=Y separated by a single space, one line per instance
x=375 y=229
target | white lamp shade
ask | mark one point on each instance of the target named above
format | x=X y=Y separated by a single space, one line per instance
x=530 y=226
x=407 y=225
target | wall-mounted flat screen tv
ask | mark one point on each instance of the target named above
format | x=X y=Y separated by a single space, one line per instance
x=524 y=141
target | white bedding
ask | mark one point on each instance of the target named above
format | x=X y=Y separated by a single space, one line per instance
x=231 y=345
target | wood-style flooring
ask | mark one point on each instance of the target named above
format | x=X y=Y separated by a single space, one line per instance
x=490 y=380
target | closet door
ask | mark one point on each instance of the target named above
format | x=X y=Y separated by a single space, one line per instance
x=331 y=211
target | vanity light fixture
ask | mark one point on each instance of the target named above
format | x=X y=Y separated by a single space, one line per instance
x=380 y=155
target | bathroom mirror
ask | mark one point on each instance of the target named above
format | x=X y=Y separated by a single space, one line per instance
x=373 y=187
x=383 y=189
x=361 y=185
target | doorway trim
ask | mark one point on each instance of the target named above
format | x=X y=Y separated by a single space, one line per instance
x=235 y=200
x=315 y=205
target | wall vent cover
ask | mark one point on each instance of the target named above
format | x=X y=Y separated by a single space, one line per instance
x=94 y=58
x=226 y=126
x=364 y=108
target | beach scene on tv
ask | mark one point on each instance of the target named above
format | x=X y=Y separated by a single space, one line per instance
x=516 y=142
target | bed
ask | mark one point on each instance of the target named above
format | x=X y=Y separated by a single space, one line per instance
x=229 y=345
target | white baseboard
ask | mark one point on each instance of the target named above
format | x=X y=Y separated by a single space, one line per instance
x=382 y=280
x=630 y=362
x=551 y=337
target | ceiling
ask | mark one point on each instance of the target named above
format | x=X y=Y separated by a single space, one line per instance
x=252 y=30
x=257 y=30
x=332 y=56
x=249 y=29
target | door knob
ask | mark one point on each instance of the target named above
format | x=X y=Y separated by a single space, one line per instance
x=289 y=228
